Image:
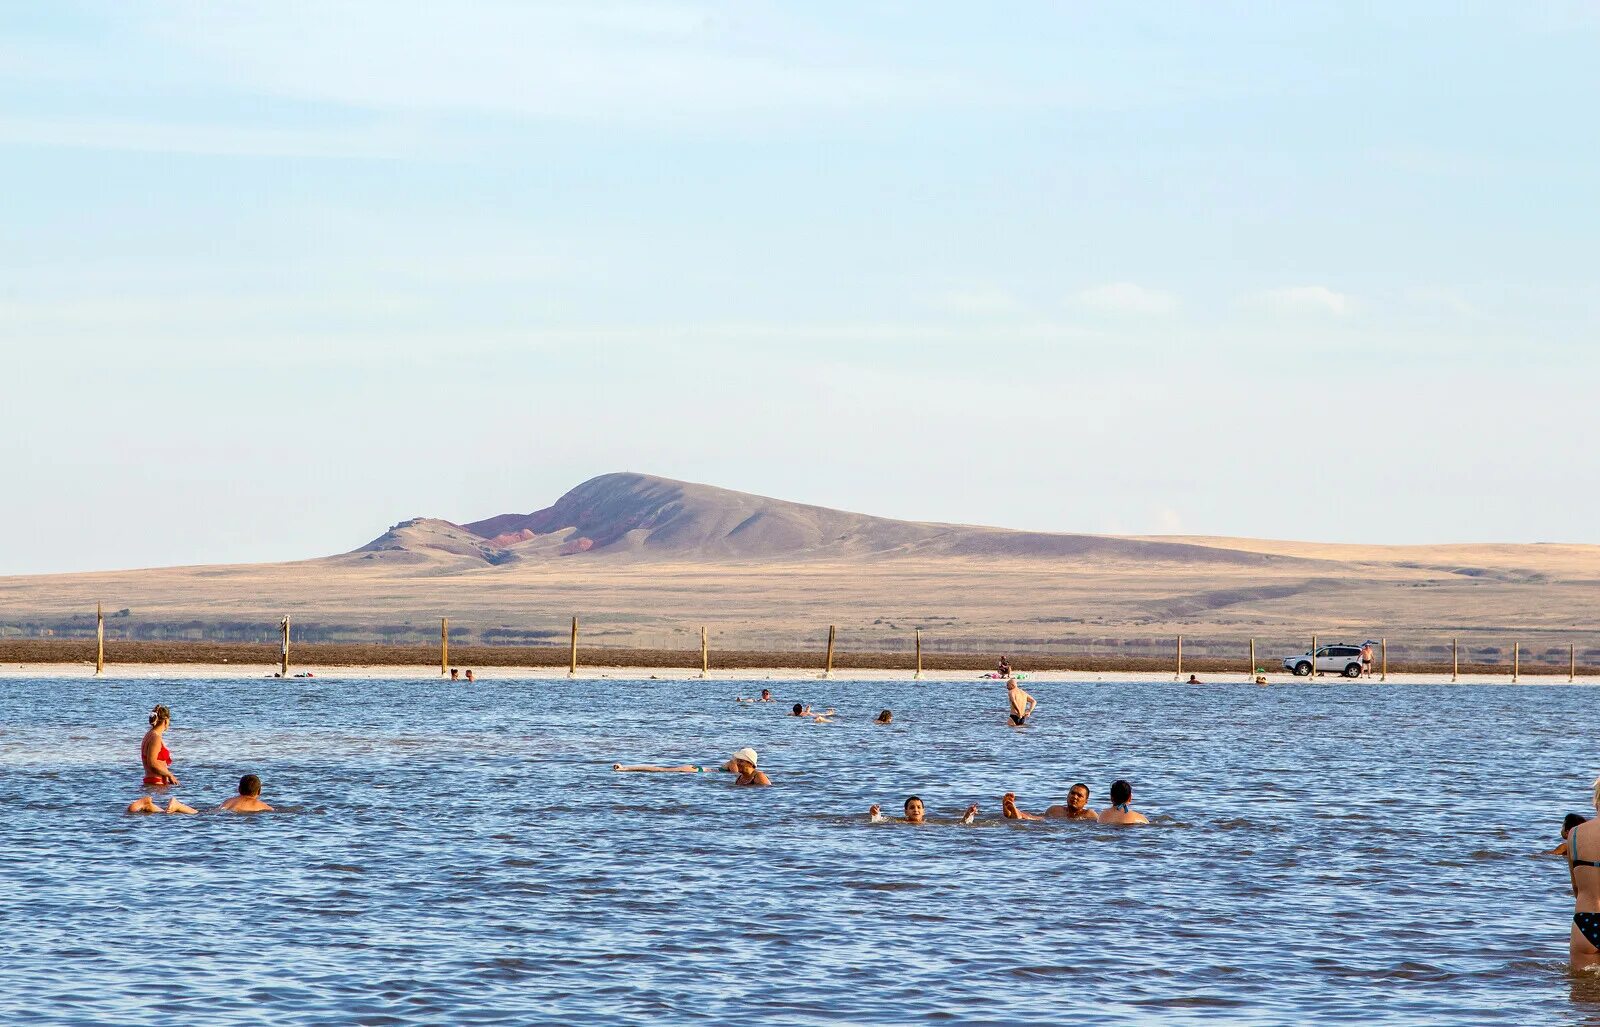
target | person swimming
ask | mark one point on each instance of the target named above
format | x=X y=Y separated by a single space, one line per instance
x=747 y=755
x=153 y=750
x=1022 y=704
x=1008 y=809
x=886 y=717
x=1584 y=840
x=249 y=798
x=766 y=696
x=1119 y=812
x=1194 y=681
x=802 y=710
x=147 y=804
x=916 y=812
x=1077 y=807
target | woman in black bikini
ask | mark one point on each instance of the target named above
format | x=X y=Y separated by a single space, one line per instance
x=1583 y=845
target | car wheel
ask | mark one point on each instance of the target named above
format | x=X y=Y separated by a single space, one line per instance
x=1352 y=670
x=1302 y=669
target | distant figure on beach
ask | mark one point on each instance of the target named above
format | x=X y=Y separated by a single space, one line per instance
x=1022 y=704
x=1077 y=807
x=455 y=674
x=1584 y=840
x=1119 y=812
x=915 y=813
x=469 y=674
x=1194 y=681
x=1366 y=659
x=147 y=804
x=249 y=798
x=1008 y=809
x=1568 y=822
x=1003 y=668
x=153 y=750
x=886 y=717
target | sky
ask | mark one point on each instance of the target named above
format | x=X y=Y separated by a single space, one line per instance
x=276 y=275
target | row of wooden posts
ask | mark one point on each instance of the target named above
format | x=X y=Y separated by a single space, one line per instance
x=705 y=653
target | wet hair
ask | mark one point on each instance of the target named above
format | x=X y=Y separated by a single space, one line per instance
x=910 y=799
x=1121 y=792
x=885 y=717
x=250 y=785
x=766 y=691
x=1085 y=788
x=799 y=709
x=160 y=715
x=1570 y=821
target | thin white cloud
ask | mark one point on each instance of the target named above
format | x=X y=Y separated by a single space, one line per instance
x=984 y=301
x=1126 y=298
x=1312 y=298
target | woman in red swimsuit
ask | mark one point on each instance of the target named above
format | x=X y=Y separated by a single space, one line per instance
x=153 y=751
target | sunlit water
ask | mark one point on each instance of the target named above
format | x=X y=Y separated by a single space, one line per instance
x=453 y=853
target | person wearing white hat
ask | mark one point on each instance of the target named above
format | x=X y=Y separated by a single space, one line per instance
x=742 y=763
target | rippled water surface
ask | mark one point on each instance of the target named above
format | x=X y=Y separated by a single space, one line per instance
x=453 y=853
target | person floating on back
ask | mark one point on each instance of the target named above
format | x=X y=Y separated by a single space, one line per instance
x=249 y=798
x=1119 y=811
x=1022 y=704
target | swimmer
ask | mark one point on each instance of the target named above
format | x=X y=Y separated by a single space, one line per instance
x=1584 y=937
x=1194 y=681
x=249 y=798
x=1008 y=809
x=692 y=768
x=469 y=675
x=916 y=813
x=153 y=750
x=801 y=710
x=1261 y=679
x=1022 y=704
x=744 y=764
x=1118 y=812
x=1568 y=822
x=886 y=717
x=766 y=696
x=875 y=815
x=147 y=804
x=455 y=674
x=1077 y=807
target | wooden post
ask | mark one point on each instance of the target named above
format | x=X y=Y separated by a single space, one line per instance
x=919 y=655
x=572 y=660
x=1383 y=648
x=705 y=656
x=444 y=645
x=1455 y=659
x=283 y=664
x=1572 y=662
x=1252 y=671
x=1516 y=658
x=99 y=639
x=1313 y=657
x=1179 y=675
x=828 y=672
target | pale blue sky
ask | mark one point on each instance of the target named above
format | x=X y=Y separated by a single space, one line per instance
x=276 y=275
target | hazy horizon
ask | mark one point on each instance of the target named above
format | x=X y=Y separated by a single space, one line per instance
x=286 y=274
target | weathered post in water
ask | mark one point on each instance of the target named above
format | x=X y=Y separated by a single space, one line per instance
x=444 y=646
x=1516 y=659
x=1455 y=659
x=705 y=656
x=1251 y=673
x=1313 y=657
x=828 y=669
x=1178 y=676
x=99 y=639
x=1383 y=650
x=1572 y=662
x=572 y=655
x=919 y=655
x=283 y=652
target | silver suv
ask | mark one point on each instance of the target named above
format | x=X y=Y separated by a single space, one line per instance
x=1337 y=659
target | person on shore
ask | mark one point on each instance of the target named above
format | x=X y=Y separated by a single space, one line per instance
x=147 y=804
x=1077 y=807
x=1194 y=681
x=1003 y=668
x=153 y=750
x=1008 y=809
x=1584 y=841
x=249 y=798
x=1366 y=659
x=886 y=717
x=1022 y=704
x=916 y=813
x=1119 y=811
x=1568 y=822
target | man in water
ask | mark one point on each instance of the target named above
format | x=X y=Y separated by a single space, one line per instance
x=886 y=717
x=1193 y=680
x=1077 y=807
x=469 y=674
x=249 y=798
x=1022 y=704
x=1119 y=812
x=766 y=696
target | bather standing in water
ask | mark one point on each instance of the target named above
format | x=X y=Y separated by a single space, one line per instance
x=1119 y=812
x=249 y=798
x=1022 y=704
x=1583 y=845
x=1077 y=807
x=153 y=750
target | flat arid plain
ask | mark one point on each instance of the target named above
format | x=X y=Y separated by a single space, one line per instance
x=645 y=562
